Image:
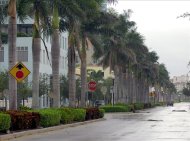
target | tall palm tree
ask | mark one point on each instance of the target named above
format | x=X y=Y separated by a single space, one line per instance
x=40 y=15
x=71 y=14
x=38 y=10
x=55 y=52
x=91 y=9
x=116 y=51
x=12 y=32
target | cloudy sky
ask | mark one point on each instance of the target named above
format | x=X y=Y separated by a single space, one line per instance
x=164 y=33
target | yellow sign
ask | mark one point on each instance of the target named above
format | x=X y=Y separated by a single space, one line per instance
x=19 y=72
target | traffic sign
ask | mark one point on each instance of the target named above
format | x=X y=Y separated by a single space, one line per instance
x=92 y=86
x=19 y=72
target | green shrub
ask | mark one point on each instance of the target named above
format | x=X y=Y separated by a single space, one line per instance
x=49 y=117
x=139 y=106
x=79 y=114
x=115 y=108
x=121 y=104
x=5 y=122
x=24 y=108
x=66 y=115
x=102 y=111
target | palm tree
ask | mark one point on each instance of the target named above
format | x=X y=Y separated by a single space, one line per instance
x=55 y=52
x=37 y=9
x=40 y=16
x=92 y=8
x=71 y=15
x=12 y=32
x=116 y=52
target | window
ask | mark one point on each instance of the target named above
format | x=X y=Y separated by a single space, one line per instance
x=63 y=62
x=65 y=43
x=66 y=62
x=22 y=54
x=1 y=54
x=44 y=56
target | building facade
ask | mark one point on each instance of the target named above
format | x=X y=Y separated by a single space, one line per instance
x=180 y=81
x=24 y=51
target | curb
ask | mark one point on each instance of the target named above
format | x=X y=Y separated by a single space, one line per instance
x=44 y=130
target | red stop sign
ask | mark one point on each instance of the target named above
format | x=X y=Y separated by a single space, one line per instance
x=92 y=86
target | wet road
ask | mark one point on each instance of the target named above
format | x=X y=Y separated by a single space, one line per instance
x=158 y=124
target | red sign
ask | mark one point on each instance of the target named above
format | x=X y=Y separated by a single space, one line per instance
x=92 y=86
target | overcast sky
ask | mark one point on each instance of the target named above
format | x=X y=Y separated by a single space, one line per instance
x=164 y=33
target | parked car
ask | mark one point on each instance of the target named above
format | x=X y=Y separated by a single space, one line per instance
x=99 y=103
x=170 y=103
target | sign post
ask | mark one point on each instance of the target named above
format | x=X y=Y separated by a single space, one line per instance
x=92 y=88
x=19 y=72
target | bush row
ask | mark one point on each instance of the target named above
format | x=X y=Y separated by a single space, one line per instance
x=30 y=119
x=121 y=107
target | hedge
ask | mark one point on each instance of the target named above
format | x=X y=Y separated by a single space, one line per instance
x=49 y=117
x=102 y=111
x=66 y=115
x=116 y=108
x=92 y=113
x=5 y=122
x=139 y=106
x=79 y=114
x=23 y=120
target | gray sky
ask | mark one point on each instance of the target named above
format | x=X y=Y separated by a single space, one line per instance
x=164 y=33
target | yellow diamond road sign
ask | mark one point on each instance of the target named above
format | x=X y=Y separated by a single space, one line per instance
x=19 y=71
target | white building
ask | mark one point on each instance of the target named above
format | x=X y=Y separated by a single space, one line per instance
x=24 y=50
x=180 y=81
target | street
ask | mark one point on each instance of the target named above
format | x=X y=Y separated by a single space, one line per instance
x=157 y=124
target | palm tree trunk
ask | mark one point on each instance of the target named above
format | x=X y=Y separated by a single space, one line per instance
x=55 y=53
x=0 y=37
x=116 y=81
x=12 y=32
x=83 y=71
x=71 y=74
x=36 y=67
x=83 y=82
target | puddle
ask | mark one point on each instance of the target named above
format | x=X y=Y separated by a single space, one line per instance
x=141 y=112
x=179 y=111
x=154 y=120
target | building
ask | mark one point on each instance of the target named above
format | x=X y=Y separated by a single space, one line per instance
x=180 y=81
x=3 y=2
x=24 y=50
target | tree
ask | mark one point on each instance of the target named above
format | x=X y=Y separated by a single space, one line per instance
x=71 y=14
x=4 y=81
x=116 y=52
x=37 y=9
x=64 y=90
x=24 y=91
x=12 y=32
x=55 y=51
x=186 y=90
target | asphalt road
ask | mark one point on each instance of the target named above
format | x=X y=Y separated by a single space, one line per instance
x=157 y=124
